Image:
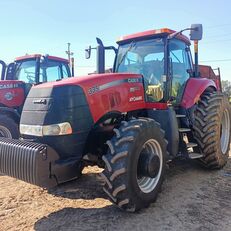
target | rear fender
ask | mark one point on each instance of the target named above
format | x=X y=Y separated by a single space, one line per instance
x=194 y=89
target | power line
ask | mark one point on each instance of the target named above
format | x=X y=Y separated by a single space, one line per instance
x=216 y=41
x=218 y=36
x=216 y=60
x=216 y=26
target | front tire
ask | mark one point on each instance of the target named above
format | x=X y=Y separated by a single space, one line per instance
x=212 y=129
x=8 y=127
x=135 y=164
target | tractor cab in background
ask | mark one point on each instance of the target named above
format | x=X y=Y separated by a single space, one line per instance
x=35 y=69
x=17 y=78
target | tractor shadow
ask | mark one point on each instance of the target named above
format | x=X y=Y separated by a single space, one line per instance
x=87 y=187
x=109 y=217
x=106 y=218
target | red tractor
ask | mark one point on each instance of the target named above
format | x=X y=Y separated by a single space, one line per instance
x=16 y=80
x=155 y=107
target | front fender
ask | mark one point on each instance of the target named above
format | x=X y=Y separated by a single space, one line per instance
x=194 y=89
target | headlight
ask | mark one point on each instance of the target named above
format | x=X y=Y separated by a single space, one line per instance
x=57 y=129
x=47 y=130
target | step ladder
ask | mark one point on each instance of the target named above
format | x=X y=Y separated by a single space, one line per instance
x=189 y=145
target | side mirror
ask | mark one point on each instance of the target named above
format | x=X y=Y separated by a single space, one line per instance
x=196 y=32
x=88 y=52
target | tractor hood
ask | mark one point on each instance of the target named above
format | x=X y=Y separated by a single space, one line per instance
x=103 y=92
x=91 y=80
x=78 y=102
x=12 y=93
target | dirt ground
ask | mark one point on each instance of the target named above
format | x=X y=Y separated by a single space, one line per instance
x=192 y=198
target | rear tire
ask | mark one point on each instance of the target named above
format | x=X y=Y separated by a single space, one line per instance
x=8 y=127
x=212 y=129
x=124 y=184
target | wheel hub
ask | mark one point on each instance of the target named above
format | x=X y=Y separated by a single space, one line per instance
x=149 y=165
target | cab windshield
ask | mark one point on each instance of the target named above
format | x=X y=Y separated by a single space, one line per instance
x=25 y=71
x=145 y=58
x=49 y=70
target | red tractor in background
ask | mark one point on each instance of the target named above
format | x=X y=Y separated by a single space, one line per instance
x=16 y=80
x=155 y=107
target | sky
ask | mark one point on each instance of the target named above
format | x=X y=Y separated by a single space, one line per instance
x=46 y=26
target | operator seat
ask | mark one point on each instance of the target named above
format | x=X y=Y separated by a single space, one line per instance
x=152 y=74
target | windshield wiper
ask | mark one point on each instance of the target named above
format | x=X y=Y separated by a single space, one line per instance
x=132 y=44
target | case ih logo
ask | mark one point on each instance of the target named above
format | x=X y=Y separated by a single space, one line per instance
x=10 y=85
x=137 y=80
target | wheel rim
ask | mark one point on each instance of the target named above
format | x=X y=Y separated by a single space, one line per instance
x=5 y=132
x=148 y=184
x=225 y=131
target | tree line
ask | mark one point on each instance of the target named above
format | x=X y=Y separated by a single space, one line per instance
x=226 y=88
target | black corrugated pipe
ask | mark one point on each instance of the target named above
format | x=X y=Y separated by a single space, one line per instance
x=3 y=69
x=100 y=54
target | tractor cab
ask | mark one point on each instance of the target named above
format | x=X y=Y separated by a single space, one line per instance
x=159 y=59
x=161 y=56
x=17 y=78
x=38 y=69
x=35 y=69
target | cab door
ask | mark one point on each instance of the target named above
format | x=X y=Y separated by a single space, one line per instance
x=180 y=68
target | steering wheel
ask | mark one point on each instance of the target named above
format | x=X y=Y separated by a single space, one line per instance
x=31 y=78
x=30 y=75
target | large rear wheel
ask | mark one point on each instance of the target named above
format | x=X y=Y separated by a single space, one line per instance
x=135 y=164
x=212 y=129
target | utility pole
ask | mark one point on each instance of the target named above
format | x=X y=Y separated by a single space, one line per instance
x=70 y=60
x=69 y=53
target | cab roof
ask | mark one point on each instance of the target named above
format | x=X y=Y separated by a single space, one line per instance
x=34 y=56
x=152 y=34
